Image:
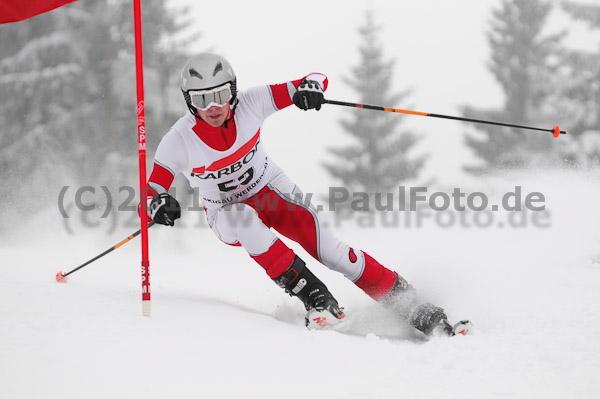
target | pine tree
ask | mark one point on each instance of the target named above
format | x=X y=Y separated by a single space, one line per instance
x=523 y=60
x=377 y=159
x=69 y=82
x=581 y=76
x=576 y=95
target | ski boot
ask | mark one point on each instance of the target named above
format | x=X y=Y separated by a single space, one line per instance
x=402 y=298
x=322 y=308
x=425 y=317
x=428 y=319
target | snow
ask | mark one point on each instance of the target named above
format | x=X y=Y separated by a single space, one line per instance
x=220 y=329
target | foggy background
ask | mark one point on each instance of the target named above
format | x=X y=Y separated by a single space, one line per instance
x=528 y=280
x=68 y=94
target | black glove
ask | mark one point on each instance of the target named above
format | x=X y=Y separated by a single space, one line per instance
x=309 y=95
x=164 y=209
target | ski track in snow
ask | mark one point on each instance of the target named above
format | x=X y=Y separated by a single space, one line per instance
x=220 y=329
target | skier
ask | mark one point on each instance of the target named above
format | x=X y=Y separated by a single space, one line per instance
x=218 y=149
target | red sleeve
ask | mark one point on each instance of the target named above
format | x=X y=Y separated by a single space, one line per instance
x=161 y=176
x=282 y=93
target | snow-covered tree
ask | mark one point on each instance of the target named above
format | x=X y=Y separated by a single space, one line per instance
x=581 y=75
x=67 y=80
x=576 y=97
x=376 y=158
x=523 y=62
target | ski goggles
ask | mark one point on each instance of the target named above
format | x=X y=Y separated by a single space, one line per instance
x=204 y=99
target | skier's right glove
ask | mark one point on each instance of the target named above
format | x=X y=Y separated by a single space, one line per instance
x=164 y=209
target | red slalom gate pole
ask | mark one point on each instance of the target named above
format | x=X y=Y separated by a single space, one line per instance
x=141 y=130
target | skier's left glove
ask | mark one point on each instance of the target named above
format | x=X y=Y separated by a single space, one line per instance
x=309 y=95
x=164 y=209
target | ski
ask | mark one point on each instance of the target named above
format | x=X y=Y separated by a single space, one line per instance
x=322 y=320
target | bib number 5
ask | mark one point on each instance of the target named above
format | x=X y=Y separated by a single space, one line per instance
x=241 y=181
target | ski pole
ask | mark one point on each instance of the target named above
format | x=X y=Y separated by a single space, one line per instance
x=555 y=130
x=61 y=277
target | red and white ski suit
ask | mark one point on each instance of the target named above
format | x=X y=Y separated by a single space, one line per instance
x=246 y=194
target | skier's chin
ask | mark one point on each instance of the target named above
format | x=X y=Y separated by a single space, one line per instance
x=214 y=121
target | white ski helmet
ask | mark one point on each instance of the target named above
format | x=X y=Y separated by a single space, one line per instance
x=204 y=72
